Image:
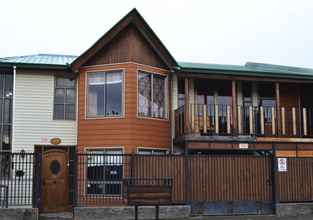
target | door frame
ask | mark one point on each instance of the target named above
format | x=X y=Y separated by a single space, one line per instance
x=70 y=150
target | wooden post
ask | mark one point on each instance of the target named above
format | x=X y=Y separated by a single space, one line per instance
x=262 y=120
x=283 y=121
x=228 y=120
x=273 y=121
x=205 y=130
x=234 y=107
x=305 y=123
x=186 y=107
x=294 y=121
x=216 y=119
x=279 y=124
x=251 y=120
x=239 y=120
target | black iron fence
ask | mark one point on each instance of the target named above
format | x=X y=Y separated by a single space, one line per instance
x=16 y=179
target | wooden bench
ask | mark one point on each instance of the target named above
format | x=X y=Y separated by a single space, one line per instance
x=148 y=192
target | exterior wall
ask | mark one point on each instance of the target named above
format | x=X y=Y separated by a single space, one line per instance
x=33 y=122
x=129 y=131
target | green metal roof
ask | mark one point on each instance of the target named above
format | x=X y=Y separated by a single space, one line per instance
x=46 y=59
x=249 y=69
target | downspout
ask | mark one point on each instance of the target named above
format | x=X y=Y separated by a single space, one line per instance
x=13 y=110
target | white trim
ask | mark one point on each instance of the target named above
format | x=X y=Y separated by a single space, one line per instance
x=128 y=62
x=152 y=149
x=13 y=110
x=166 y=93
x=123 y=71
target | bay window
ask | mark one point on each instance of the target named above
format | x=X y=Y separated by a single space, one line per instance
x=105 y=94
x=151 y=95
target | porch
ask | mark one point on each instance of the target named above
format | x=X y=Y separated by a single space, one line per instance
x=243 y=109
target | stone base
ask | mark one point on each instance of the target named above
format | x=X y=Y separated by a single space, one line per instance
x=232 y=208
x=128 y=212
x=19 y=214
x=294 y=209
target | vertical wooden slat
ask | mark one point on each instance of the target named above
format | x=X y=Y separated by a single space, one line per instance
x=262 y=119
x=277 y=91
x=283 y=120
x=305 y=122
x=216 y=120
x=294 y=122
x=250 y=120
x=273 y=121
x=196 y=119
x=192 y=117
x=228 y=120
x=204 y=119
x=239 y=120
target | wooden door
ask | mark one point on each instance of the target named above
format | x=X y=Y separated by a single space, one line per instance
x=55 y=181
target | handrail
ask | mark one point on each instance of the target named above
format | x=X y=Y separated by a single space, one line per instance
x=252 y=120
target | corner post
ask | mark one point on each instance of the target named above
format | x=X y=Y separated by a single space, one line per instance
x=234 y=107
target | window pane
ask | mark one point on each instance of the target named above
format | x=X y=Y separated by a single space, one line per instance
x=70 y=112
x=144 y=98
x=8 y=91
x=96 y=92
x=69 y=83
x=70 y=96
x=59 y=96
x=158 y=97
x=7 y=111
x=114 y=94
x=59 y=112
x=6 y=139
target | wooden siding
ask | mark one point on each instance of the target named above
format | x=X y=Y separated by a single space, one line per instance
x=33 y=118
x=129 y=45
x=129 y=131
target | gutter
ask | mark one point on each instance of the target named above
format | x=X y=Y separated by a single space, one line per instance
x=245 y=73
x=35 y=66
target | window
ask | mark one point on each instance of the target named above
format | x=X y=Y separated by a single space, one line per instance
x=151 y=151
x=105 y=172
x=152 y=95
x=105 y=94
x=64 y=99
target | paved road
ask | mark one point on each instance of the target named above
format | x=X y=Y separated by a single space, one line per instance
x=251 y=218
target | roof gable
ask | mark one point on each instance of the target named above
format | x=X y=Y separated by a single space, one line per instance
x=132 y=19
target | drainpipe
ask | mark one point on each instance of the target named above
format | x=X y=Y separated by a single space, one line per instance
x=13 y=111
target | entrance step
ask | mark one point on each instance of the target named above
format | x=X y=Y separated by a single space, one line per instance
x=56 y=216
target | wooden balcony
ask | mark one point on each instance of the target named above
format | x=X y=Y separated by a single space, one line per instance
x=219 y=120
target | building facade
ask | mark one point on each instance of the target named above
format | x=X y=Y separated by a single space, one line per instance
x=127 y=95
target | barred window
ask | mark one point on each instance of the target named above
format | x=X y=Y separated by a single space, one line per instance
x=64 y=99
x=105 y=172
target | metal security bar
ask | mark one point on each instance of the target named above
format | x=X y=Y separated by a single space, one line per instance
x=16 y=179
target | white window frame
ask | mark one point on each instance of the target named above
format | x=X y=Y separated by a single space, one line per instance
x=152 y=149
x=166 y=94
x=122 y=115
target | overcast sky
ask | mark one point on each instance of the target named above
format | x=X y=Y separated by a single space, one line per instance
x=211 y=31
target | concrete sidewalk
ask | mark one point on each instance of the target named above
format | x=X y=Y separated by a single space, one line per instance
x=256 y=217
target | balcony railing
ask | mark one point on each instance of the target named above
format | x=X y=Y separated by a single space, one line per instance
x=254 y=121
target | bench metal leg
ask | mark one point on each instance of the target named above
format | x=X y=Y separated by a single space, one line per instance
x=157 y=212
x=136 y=212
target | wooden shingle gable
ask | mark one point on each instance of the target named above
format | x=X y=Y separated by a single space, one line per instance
x=125 y=41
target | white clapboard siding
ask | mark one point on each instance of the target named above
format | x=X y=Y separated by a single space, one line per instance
x=33 y=117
